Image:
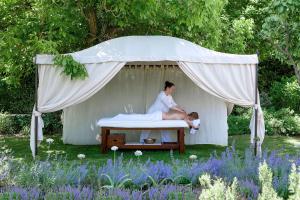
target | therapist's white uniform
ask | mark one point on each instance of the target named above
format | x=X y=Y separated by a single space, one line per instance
x=162 y=103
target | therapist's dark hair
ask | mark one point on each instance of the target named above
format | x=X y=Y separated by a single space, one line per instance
x=168 y=84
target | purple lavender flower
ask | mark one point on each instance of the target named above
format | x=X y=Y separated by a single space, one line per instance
x=22 y=193
x=249 y=189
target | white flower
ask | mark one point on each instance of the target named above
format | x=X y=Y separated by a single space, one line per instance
x=138 y=153
x=98 y=137
x=193 y=157
x=81 y=156
x=49 y=140
x=114 y=148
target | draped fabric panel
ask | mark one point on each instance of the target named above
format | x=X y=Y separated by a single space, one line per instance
x=234 y=83
x=134 y=89
x=57 y=91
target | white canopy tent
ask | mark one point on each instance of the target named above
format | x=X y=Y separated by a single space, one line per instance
x=207 y=81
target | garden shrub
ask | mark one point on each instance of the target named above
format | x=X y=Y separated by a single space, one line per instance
x=239 y=120
x=52 y=122
x=271 y=70
x=20 y=123
x=284 y=121
x=6 y=124
x=277 y=122
x=286 y=94
x=18 y=99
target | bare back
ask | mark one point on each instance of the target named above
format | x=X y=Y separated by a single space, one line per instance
x=174 y=115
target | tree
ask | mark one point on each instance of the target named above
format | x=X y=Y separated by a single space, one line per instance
x=30 y=27
x=282 y=30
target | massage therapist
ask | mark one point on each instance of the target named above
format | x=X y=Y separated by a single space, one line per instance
x=164 y=102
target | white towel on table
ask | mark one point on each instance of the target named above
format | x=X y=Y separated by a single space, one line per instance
x=156 y=116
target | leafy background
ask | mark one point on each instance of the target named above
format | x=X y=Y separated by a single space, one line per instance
x=29 y=27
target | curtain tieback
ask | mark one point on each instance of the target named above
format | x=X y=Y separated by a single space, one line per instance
x=37 y=113
x=40 y=119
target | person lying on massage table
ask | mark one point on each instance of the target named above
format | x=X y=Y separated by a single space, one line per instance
x=175 y=115
x=192 y=119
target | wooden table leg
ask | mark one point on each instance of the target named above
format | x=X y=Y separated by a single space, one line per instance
x=178 y=133
x=180 y=136
x=104 y=134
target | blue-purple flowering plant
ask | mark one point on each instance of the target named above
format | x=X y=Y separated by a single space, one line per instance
x=135 y=178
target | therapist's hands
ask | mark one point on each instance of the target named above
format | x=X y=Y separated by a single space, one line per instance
x=177 y=108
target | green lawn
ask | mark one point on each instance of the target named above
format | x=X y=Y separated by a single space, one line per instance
x=20 y=147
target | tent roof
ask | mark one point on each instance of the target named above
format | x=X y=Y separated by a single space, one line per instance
x=151 y=48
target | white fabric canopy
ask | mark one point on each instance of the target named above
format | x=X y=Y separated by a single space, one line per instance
x=151 y=48
x=227 y=77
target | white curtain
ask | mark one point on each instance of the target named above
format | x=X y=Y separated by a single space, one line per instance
x=210 y=89
x=234 y=83
x=57 y=91
x=134 y=89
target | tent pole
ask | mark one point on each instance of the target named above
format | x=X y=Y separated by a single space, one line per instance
x=36 y=109
x=255 y=107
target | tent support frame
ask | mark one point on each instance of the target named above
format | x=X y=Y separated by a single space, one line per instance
x=36 y=109
x=255 y=106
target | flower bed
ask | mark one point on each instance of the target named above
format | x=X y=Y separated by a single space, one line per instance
x=57 y=178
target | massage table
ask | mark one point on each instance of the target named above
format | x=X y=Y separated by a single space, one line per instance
x=107 y=125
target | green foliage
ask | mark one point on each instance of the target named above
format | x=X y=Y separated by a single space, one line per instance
x=32 y=27
x=6 y=124
x=281 y=29
x=238 y=121
x=218 y=189
x=270 y=71
x=52 y=123
x=255 y=10
x=294 y=180
x=265 y=178
x=70 y=67
x=17 y=99
x=286 y=93
x=10 y=195
x=239 y=33
x=277 y=122
x=20 y=123
x=283 y=121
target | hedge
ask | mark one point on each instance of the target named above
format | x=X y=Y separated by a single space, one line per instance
x=20 y=123
x=277 y=122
